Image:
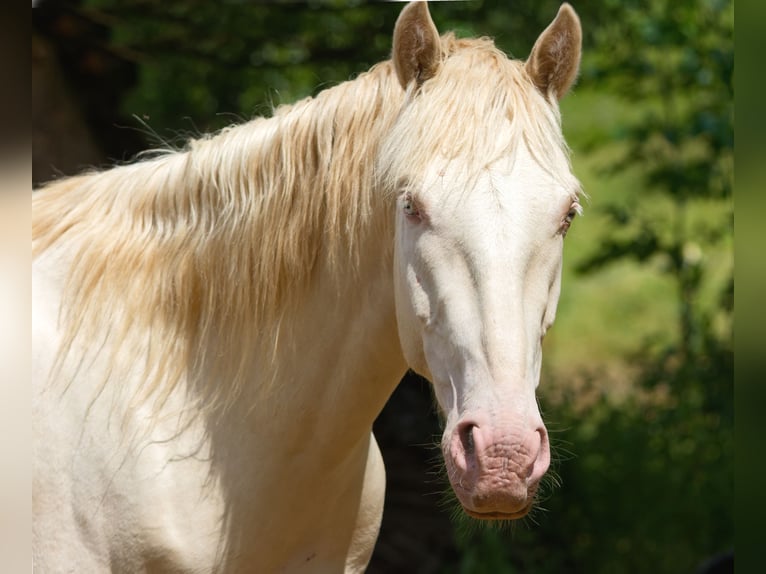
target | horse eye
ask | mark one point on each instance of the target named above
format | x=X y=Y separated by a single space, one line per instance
x=408 y=206
x=571 y=214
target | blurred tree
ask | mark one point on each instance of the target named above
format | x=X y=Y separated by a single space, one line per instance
x=673 y=61
x=204 y=65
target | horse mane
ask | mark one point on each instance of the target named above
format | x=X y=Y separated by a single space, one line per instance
x=179 y=256
x=451 y=121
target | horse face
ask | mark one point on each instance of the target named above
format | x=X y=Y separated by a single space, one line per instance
x=478 y=248
x=477 y=272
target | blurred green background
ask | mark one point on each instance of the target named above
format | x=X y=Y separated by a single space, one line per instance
x=637 y=386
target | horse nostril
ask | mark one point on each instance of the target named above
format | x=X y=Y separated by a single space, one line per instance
x=466 y=438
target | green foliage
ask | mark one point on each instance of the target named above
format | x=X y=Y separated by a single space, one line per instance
x=204 y=65
x=209 y=64
x=674 y=59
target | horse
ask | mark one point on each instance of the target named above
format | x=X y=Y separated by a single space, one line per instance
x=217 y=327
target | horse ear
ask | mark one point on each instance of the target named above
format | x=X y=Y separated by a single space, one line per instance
x=555 y=57
x=417 y=48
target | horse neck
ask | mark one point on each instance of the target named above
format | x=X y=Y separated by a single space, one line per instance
x=338 y=356
x=258 y=259
x=327 y=349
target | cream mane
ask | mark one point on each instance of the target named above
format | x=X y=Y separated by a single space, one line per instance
x=476 y=89
x=218 y=242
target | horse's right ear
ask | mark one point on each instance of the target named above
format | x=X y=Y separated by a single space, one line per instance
x=417 y=48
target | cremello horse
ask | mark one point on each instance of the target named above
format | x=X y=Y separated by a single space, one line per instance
x=216 y=329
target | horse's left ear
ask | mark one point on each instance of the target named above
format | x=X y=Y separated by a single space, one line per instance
x=555 y=57
x=417 y=48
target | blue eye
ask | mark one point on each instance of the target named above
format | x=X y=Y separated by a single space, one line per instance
x=410 y=208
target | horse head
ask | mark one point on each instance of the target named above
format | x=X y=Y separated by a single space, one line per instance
x=484 y=197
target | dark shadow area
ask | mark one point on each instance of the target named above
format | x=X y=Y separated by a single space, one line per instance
x=416 y=534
